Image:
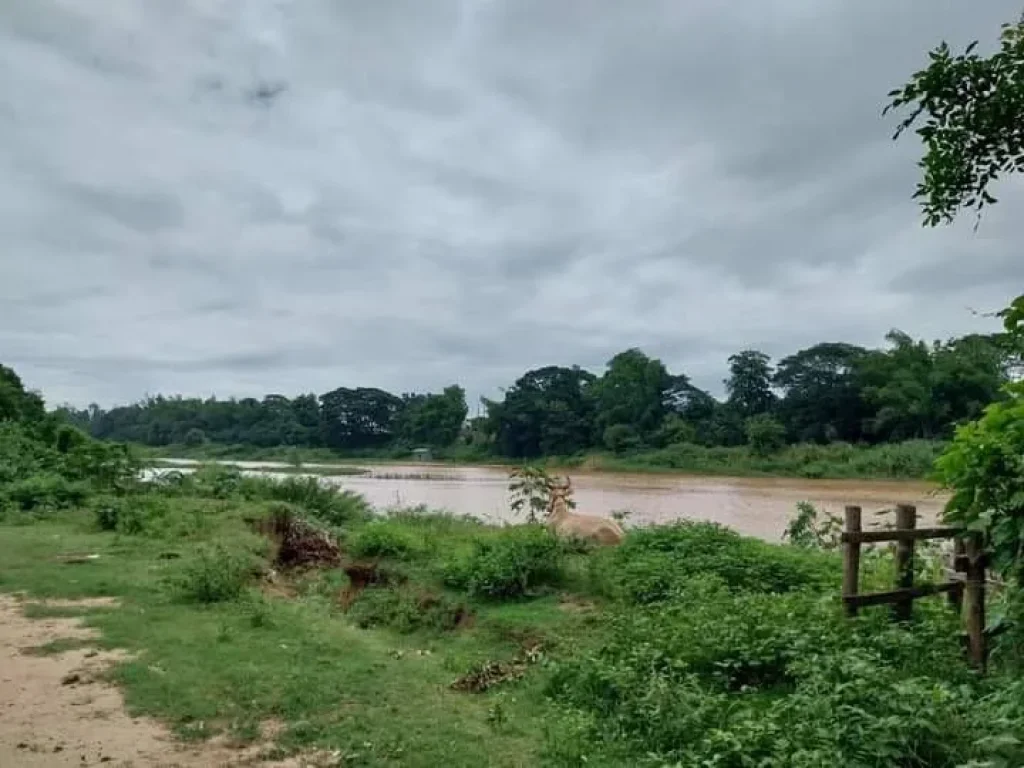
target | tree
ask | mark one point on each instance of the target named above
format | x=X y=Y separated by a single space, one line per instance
x=358 y=419
x=821 y=398
x=765 y=434
x=17 y=403
x=548 y=411
x=195 y=437
x=434 y=420
x=750 y=383
x=633 y=392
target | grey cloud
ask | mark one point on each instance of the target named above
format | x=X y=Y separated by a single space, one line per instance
x=464 y=189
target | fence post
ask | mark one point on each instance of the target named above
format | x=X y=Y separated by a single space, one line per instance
x=851 y=559
x=974 y=603
x=956 y=596
x=906 y=520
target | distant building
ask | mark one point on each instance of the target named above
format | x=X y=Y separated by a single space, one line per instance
x=422 y=454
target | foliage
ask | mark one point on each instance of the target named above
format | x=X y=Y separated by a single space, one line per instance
x=382 y=538
x=907 y=460
x=433 y=420
x=984 y=469
x=658 y=563
x=216 y=573
x=512 y=564
x=821 y=396
x=714 y=677
x=972 y=109
x=807 y=531
x=971 y=106
x=750 y=383
x=765 y=434
x=548 y=411
x=530 y=489
x=407 y=610
x=828 y=393
x=631 y=398
x=330 y=505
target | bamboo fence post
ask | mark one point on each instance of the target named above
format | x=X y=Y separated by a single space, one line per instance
x=851 y=559
x=906 y=520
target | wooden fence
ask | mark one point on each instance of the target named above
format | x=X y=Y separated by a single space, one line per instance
x=965 y=590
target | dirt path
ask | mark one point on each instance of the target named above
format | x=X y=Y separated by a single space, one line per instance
x=56 y=711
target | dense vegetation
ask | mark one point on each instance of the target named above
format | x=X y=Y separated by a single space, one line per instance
x=637 y=414
x=409 y=638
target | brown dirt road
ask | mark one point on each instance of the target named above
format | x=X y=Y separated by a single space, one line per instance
x=57 y=711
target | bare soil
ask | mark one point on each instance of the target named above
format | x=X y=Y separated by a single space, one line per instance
x=57 y=710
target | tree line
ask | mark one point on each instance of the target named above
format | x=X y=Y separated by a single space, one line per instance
x=828 y=392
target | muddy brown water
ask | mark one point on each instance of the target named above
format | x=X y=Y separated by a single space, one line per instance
x=754 y=506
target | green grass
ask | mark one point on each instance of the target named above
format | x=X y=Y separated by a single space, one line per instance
x=230 y=664
x=685 y=643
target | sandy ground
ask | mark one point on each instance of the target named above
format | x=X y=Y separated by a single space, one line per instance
x=55 y=711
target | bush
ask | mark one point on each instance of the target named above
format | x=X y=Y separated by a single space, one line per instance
x=655 y=563
x=216 y=574
x=382 y=538
x=406 y=610
x=621 y=438
x=327 y=503
x=47 y=490
x=195 y=437
x=510 y=564
x=726 y=679
x=765 y=435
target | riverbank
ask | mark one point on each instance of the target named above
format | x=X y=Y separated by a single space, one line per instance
x=910 y=460
x=284 y=621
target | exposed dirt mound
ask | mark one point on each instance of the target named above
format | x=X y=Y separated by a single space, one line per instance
x=299 y=542
x=362 y=575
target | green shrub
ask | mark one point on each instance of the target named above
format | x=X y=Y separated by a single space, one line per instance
x=215 y=574
x=406 y=610
x=46 y=490
x=382 y=538
x=510 y=564
x=329 y=504
x=655 y=563
x=723 y=679
x=765 y=434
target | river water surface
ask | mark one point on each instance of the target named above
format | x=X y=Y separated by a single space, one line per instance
x=755 y=506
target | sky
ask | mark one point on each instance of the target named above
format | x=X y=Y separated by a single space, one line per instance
x=239 y=197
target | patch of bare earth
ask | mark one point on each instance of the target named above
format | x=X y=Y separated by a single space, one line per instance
x=56 y=710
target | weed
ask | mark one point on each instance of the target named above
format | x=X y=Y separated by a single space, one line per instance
x=407 y=610
x=509 y=565
x=383 y=538
x=215 y=574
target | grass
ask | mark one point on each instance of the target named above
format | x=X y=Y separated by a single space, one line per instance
x=911 y=460
x=231 y=657
x=688 y=644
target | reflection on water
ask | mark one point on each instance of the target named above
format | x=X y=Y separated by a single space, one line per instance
x=756 y=506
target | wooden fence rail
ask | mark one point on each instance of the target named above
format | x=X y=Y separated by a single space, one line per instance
x=966 y=592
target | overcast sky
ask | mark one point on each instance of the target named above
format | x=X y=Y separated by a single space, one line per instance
x=249 y=196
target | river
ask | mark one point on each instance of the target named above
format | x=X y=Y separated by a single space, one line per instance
x=754 y=506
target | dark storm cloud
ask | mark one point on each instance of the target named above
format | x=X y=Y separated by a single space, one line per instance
x=273 y=195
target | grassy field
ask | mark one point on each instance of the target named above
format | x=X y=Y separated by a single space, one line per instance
x=911 y=460
x=415 y=639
